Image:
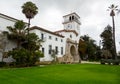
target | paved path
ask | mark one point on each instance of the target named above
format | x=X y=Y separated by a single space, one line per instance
x=90 y=62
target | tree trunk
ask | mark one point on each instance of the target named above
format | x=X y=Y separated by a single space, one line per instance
x=114 y=45
x=28 y=32
x=18 y=44
x=28 y=25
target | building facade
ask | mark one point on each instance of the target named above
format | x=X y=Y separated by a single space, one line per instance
x=63 y=42
x=8 y=45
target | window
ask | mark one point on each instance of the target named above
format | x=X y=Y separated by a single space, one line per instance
x=50 y=37
x=56 y=39
x=70 y=36
x=43 y=50
x=61 y=50
x=56 y=50
x=70 y=18
x=42 y=36
x=61 y=40
x=50 y=49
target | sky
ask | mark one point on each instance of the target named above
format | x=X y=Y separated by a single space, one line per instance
x=93 y=15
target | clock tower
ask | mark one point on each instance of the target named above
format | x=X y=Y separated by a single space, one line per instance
x=71 y=22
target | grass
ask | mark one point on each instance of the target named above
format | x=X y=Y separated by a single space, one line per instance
x=62 y=74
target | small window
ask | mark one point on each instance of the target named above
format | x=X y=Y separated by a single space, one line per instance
x=56 y=39
x=43 y=50
x=70 y=18
x=70 y=36
x=50 y=37
x=56 y=50
x=50 y=49
x=42 y=36
x=61 y=40
x=61 y=50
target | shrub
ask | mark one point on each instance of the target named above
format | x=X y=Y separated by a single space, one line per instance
x=118 y=57
x=25 y=57
x=109 y=61
x=2 y=64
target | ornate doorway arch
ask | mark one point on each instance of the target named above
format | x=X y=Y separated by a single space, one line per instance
x=71 y=54
x=73 y=51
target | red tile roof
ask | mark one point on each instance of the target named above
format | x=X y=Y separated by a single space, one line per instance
x=42 y=29
x=64 y=30
x=72 y=14
x=10 y=17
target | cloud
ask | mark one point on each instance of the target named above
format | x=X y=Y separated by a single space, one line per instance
x=52 y=19
x=94 y=17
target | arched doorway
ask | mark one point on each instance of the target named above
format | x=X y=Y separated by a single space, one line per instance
x=73 y=51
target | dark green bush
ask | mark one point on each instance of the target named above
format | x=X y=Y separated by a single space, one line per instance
x=2 y=64
x=25 y=57
x=110 y=61
x=118 y=57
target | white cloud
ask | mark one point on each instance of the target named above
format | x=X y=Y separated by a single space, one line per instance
x=52 y=19
x=94 y=17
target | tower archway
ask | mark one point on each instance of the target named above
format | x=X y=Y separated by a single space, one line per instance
x=73 y=51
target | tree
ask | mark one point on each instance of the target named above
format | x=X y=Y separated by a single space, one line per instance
x=87 y=48
x=106 y=54
x=30 y=10
x=17 y=33
x=26 y=53
x=53 y=55
x=113 y=8
x=82 y=47
x=34 y=42
x=91 y=49
x=107 y=40
x=25 y=57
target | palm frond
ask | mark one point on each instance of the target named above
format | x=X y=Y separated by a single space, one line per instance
x=116 y=6
x=29 y=9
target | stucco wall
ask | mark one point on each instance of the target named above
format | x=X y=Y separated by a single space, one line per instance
x=60 y=42
x=4 y=22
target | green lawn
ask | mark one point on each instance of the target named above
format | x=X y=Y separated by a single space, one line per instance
x=62 y=74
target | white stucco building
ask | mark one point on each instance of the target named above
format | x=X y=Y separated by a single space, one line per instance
x=64 y=41
x=4 y=22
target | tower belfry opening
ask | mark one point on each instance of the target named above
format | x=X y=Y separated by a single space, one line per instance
x=72 y=17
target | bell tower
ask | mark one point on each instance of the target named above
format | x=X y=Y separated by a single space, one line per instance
x=71 y=22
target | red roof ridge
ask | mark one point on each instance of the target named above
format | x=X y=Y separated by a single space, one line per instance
x=65 y=30
x=11 y=17
x=43 y=29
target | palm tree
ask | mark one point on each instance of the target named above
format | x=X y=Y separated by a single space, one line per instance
x=113 y=8
x=17 y=33
x=30 y=10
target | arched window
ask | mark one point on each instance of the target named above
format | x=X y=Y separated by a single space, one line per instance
x=70 y=18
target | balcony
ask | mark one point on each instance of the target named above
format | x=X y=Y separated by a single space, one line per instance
x=43 y=39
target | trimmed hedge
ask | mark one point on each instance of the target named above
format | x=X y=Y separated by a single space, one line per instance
x=2 y=64
x=110 y=61
x=118 y=57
